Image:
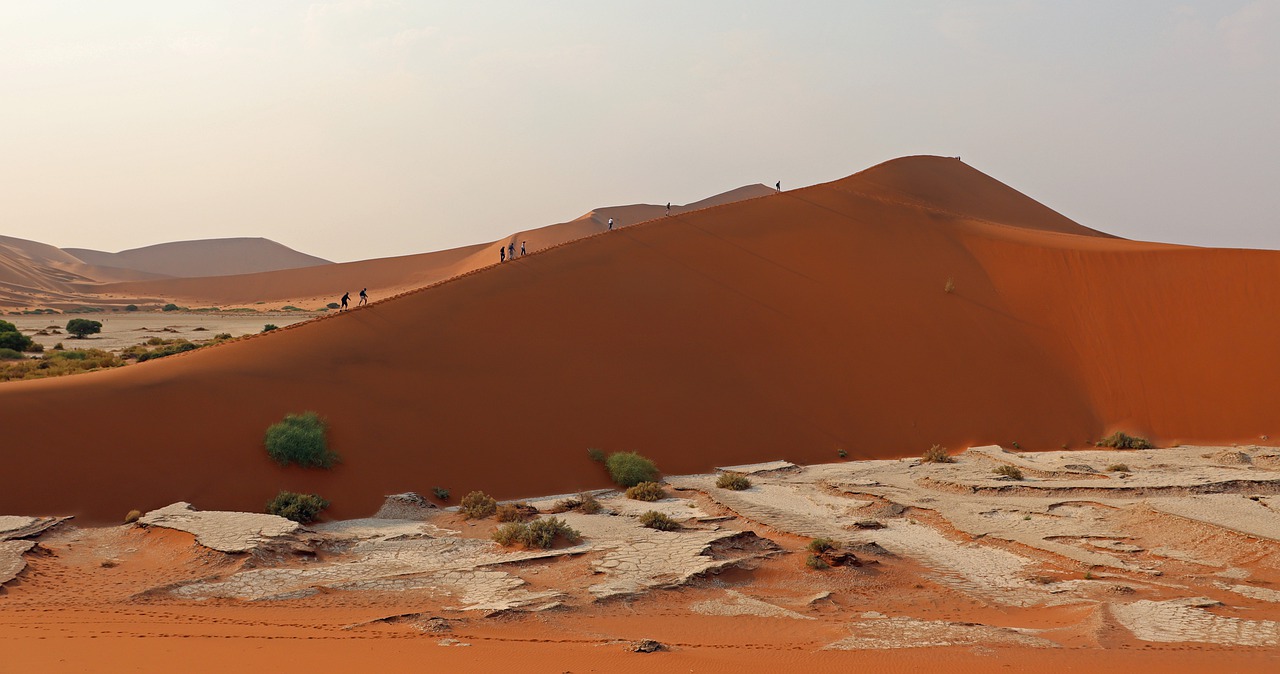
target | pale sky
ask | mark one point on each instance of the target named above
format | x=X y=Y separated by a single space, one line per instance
x=367 y=128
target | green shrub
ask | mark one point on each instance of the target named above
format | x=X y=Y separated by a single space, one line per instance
x=629 y=469
x=1119 y=440
x=1008 y=471
x=733 y=481
x=10 y=354
x=10 y=338
x=333 y=305
x=515 y=512
x=170 y=307
x=300 y=439
x=540 y=533
x=816 y=563
x=647 y=491
x=269 y=327
x=131 y=307
x=222 y=335
x=596 y=455
x=440 y=493
x=301 y=508
x=821 y=545
x=656 y=520
x=937 y=454
x=83 y=327
x=58 y=347
x=477 y=505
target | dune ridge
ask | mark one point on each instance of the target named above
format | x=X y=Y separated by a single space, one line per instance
x=204 y=257
x=788 y=326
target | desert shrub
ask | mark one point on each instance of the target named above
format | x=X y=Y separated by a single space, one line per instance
x=57 y=363
x=6 y=326
x=300 y=439
x=290 y=307
x=540 y=533
x=1008 y=471
x=131 y=307
x=842 y=453
x=58 y=347
x=590 y=505
x=1120 y=440
x=10 y=338
x=733 y=481
x=269 y=327
x=440 y=493
x=477 y=505
x=333 y=305
x=10 y=354
x=596 y=455
x=515 y=512
x=647 y=491
x=36 y=347
x=629 y=469
x=301 y=508
x=171 y=347
x=1119 y=468
x=821 y=545
x=816 y=563
x=170 y=307
x=937 y=454
x=222 y=335
x=83 y=327
x=656 y=520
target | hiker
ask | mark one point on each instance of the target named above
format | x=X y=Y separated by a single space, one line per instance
x=668 y=208
x=511 y=252
x=522 y=248
x=345 y=296
x=364 y=296
x=779 y=186
x=610 y=224
x=502 y=254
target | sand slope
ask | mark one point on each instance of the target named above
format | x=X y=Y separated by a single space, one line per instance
x=789 y=326
x=33 y=272
x=207 y=257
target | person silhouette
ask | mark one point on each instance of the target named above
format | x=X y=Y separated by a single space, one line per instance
x=668 y=208
x=611 y=224
x=345 y=297
x=364 y=296
x=511 y=252
x=502 y=254
x=778 y=186
x=522 y=248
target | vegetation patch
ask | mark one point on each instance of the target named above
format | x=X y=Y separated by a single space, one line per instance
x=1008 y=471
x=10 y=354
x=301 y=439
x=733 y=481
x=647 y=491
x=440 y=493
x=58 y=363
x=628 y=469
x=477 y=505
x=656 y=520
x=12 y=339
x=583 y=503
x=1119 y=468
x=937 y=454
x=515 y=512
x=301 y=508
x=269 y=327
x=541 y=533
x=1120 y=440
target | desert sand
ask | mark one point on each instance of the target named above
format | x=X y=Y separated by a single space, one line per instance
x=1172 y=563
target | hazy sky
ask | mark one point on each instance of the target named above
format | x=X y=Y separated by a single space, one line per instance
x=367 y=128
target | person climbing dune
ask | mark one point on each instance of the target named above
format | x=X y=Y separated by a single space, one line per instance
x=364 y=296
x=345 y=298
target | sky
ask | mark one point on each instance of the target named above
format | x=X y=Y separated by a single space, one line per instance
x=356 y=129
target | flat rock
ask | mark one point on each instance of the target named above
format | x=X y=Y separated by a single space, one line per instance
x=19 y=526
x=756 y=468
x=220 y=530
x=11 y=560
x=407 y=506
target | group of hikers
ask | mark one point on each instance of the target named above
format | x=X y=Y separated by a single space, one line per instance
x=346 y=297
x=509 y=252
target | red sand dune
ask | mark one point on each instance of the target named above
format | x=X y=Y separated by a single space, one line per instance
x=783 y=327
x=315 y=286
x=205 y=257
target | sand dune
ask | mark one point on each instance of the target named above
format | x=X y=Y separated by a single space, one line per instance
x=207 y=257
x=789 y=326
x=315 y=286
x=35 y=273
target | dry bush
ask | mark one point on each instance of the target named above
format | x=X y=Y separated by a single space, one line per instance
x=647 y=491
x=937 y=454
x=656 y=520
x=477 y=505
x=816 y=563
x=1008 y=471
x=733 y=481
x=515 y=512
x=1119 y=468
x=1120 y=440
x=541 y=533
x=821 y=545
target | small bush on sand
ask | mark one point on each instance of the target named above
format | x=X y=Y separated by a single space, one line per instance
x=131 y=307
x=583 y=503
x=170 y=307
x=733 y=481
x=440 y=493
x=541 y=533
x=301 y=508
x=629 y=469
x=83 y=327
x=1008 y=471
x=10 y=354
x=477 y=505
x=269 y=327
x=1119 y=468
x=647 y=491
x=515 y=512
x=820 y=545
x=1119 y=440
x=816 y=563
x=300 y=439
x=596 y=455
x=937 y=454
x=656 y=520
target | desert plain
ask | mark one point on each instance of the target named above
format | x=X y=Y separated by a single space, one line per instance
x=816 y=341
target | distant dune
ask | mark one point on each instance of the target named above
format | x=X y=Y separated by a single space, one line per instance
x=789 y=326
x=34 y=273
x=206 y=257
x=315 y=286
